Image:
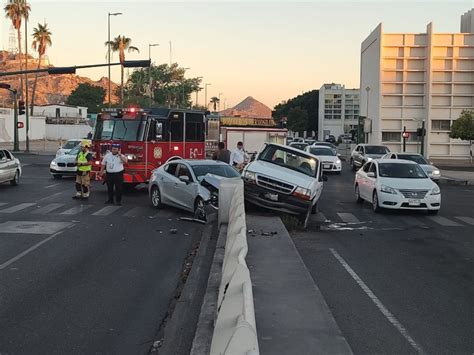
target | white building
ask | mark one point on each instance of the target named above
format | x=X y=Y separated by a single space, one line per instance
x=467 y=22
x=61 y=111
x=338 y=110
x=410 y=78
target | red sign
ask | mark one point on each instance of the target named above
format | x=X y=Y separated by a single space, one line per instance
x=405 y=134
x=20 y=125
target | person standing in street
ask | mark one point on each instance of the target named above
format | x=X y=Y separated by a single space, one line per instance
x=84 y=167
x=112 y=167
x=239 y=157
x=222 y=154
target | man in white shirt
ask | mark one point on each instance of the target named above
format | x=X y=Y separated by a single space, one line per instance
x=112 y=164
x=239 y=157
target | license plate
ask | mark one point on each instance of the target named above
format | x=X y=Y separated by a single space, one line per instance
x=326 y=166
x=271 y=197
x=414 y=202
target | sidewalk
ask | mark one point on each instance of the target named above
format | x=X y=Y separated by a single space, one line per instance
x=41 y=147
x=457 y=177
x=291 y=314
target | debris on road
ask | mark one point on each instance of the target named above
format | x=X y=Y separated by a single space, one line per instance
x=192 y=220
x=173 y=231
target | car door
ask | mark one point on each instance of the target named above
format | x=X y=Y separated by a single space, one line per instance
x=363 y=180
x=3 y=167
x=166 y=183
x=358 y=156
x=11 y=165
x=185 y=192
x=371 y=181
x=319 y=183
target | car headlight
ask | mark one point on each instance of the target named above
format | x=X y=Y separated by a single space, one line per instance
x=435 y=172
x=369 y=159
x=250 y=175
x=436 y=190
x=53 y=163
x=303 y=193
x=338 y=161
x=388 y=189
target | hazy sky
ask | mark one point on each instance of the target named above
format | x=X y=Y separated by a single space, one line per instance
x=269 y=50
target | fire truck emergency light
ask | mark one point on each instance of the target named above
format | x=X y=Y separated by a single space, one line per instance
x=175 y=148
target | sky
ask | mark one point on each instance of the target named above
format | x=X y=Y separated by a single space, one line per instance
x=270 y=50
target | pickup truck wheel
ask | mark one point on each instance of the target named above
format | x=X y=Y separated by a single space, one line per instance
x=304 y=218
x=353 y=167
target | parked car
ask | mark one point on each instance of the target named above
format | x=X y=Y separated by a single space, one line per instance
x=65 y=164
x=326 y=144
x=345 y=138
x=310 y=141
x=10 y=168
x=331 y=139
x=396 y=184
x=298 y=145
x=285 y=179
x=329 y=158
x=298 y=140
x=430 y=170
x=66 y=147
x=363 y=153
x=191 y=185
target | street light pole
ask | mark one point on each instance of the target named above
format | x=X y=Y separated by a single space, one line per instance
x=27 y=118
x=108 y=55
x=149 y=71
x=367 y=89
x=219 y=103
x=183 y=91
x=205 y=95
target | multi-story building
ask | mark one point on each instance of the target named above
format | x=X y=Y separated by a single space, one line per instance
x=414 y=79
x=338 y=110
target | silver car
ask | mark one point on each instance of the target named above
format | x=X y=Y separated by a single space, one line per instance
x=10 y=168
x=430 y=170
x=191 y=185
x=65 y=164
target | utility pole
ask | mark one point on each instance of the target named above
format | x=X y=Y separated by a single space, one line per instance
x=404 y=136
x=219 y=103
x=422 y=138
x=367 y=89
x=205 y=95
x=108 y=55
x=171 y=55
x=149 y=71
x=27 y=118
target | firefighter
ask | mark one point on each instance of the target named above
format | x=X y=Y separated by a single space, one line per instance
x=84 y=167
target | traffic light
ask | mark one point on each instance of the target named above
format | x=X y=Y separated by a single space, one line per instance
x=21 y=107
x=420 y=132
x=20 y=124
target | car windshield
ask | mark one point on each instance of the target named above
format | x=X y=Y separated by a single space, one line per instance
x=300 y=146
x=375 y=149
x=126 y=130
x=75 y=150
x=404 y=171
x=322 y=151
x=217 y=169
x=290 y=159
x=413 y=157
x=70 y=144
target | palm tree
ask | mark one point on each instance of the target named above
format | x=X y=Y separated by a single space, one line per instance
x=120 y=44
x=41 y=41
x=16 y=10
x=215 y=100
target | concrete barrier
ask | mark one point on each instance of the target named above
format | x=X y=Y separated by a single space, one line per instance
x=235 y=330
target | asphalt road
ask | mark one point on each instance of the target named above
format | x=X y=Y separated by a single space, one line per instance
x=398 y=282
x=84 y=277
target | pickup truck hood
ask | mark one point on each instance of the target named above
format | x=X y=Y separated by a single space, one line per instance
x=375 y=156
x=408 y=184
x=280 y=173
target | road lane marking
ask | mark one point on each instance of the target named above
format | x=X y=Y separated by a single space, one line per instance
x=50 y=196
x=136 y=211
x=29 y=250
x=348 y=217
x=411 y=221
x=32 y=227
x=444 y=221
x=50 y=186
x=390 y=317
x=17 y=208
x=48 y=208
x=467 y=220
x=106 y=210
x=76 y=210
x=3 y=203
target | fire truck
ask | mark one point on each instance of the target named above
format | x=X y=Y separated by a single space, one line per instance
x=149 y=138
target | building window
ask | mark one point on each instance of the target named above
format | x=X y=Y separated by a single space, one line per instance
x=391 y=136
x=441 y=125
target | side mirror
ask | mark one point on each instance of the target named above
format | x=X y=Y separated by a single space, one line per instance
x=185 y=179
x=371 y=174
x=338 y=155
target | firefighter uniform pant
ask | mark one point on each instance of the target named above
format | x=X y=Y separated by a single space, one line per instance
x=114 y=180
x=83 y=182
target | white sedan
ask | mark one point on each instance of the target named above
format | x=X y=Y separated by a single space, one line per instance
x=396 y=184
x=329 y=158
x=10 y=168
x=66 y=147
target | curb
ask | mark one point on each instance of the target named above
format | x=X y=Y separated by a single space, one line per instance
x=451 y=181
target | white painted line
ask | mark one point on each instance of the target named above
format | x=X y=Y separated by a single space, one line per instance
x=48 y=208
x=348 y=217
x=3 y=203
x=29 y=250
x=467 y=220
x=390 y=317
x=50 y=186
x=412 y=221
x=50 y=196
x=106 y=210
x=76 y=210
x=444 y=221
x=17 y=208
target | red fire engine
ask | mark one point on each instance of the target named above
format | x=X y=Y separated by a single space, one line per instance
x=149 y=138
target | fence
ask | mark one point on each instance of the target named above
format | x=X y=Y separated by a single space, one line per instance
x=235 y=331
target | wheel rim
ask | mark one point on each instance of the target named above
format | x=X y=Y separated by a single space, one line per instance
x=17 y=177
x=375 y=202
x=200 y=213
x=155 y=197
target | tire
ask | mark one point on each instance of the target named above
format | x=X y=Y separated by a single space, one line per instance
x=155 y=197
x=304 y=218
x=433 y=212
x=57 y=176
x=199 y=211
x=375 y=203
x=353 y=167
x=315 y=208
x=16 y=179
x=357 y=195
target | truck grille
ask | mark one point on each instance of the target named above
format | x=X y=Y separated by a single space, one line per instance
x=274 y=185
x=418 y=194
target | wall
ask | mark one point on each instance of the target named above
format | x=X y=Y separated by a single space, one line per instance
x=37 y=127
x=65 y=111
x=62 y=131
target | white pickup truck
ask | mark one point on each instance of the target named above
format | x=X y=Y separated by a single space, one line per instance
x=284 y=179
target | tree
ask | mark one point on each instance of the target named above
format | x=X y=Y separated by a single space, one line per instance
x=297 y=119
x=41 y=41
x=214 y=100
x=89 y=96
x=309 y=101
x=463 y=128
x=16 y=11
x=120 y=44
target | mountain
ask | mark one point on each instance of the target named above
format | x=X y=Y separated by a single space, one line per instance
x=51 y=89
x=249 y=107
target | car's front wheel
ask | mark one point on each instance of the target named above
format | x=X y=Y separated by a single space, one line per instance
x=155 y=197
x=375 y=202
x=353 y=167
x=304 y=218
x=16 y=179
x=357 y=195
x=199 y=210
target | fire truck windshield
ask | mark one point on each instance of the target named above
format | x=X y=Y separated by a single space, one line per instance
x=125 y=130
